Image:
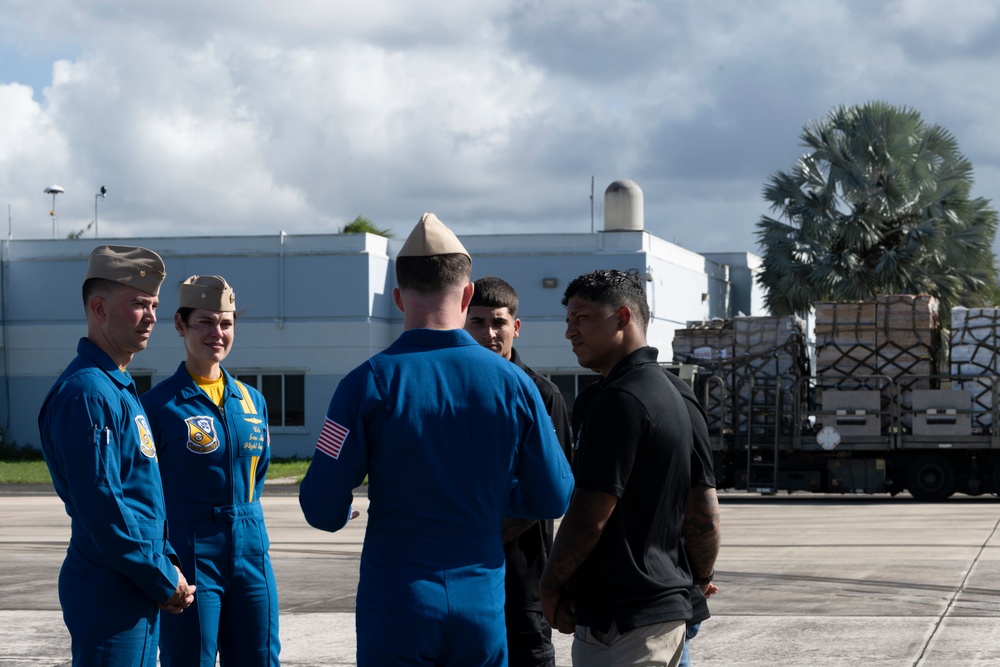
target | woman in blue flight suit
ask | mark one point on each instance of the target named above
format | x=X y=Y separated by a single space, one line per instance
x=212 y=438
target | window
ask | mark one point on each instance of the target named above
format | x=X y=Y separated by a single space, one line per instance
x=284 y=393
x=570 y=385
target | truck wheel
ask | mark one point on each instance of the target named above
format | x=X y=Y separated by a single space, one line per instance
x=931 y=478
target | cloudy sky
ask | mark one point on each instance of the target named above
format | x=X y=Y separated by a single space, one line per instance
x=225 y=117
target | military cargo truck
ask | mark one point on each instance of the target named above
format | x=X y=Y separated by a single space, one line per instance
x=874 y=398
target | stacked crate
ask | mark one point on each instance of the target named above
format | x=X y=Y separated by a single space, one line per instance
x=846 y=346
x=975 y=359
x=890 y=345
x=710 y=346
x=909 y=333
x=769 y=355
x=744 y=362
x=701 y=342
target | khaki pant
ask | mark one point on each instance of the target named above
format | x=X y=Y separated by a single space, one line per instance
x=659 y=645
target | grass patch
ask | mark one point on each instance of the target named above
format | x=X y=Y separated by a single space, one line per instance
x=293 y=467
x=24 y=472
x=36 y=472
x=288 y=468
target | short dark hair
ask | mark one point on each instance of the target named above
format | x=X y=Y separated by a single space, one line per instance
x=614 y=288
x=101 y=286
x=185 y=314
x=435 y=273
x=493 y=292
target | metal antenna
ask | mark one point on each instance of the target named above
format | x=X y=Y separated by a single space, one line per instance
x=53 y=190
x=102 y=194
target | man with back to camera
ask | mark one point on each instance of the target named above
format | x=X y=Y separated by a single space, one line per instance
x=119 y=569
x=493 y=323
x=617 y=576
x=453 y=438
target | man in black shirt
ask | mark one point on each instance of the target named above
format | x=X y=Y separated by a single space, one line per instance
x=618 y=576
x=492 y=321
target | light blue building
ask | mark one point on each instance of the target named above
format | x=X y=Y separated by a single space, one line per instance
x=312 y=307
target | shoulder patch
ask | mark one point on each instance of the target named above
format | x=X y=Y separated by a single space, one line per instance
x=146 y=444
x=331 y=438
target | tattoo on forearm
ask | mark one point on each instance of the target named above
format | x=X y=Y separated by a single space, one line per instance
x=578 y=534
x=702 y=529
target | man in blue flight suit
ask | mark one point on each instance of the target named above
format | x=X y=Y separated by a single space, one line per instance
x=493 y=322
x=119 y=570
x=452 y=438
x=212 y=434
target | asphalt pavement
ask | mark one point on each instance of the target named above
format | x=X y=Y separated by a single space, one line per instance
x=805 y=580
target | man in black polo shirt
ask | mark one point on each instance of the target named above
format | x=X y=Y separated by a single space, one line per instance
x=493 y=322
x=618 y=576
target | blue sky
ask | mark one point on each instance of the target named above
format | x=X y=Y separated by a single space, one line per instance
x=250 y=118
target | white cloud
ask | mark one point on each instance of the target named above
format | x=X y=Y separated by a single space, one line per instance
x=957 y=22
x=253 y=117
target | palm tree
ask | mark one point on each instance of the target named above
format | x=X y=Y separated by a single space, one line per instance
x=362 y=225
x=879 y=206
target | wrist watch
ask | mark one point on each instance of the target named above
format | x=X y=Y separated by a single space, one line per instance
x=705 y=580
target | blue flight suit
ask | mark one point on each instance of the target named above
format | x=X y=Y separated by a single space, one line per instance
x=453 y=437
x=213 y=462
x=102 y=458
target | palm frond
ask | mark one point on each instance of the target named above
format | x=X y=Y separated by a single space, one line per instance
x=879 y=204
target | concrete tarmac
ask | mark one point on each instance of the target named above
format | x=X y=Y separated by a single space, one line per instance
x=805 y=580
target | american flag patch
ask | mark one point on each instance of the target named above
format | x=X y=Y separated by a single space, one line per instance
x=332 y=438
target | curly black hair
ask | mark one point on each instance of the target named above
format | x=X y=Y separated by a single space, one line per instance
x=614 y=288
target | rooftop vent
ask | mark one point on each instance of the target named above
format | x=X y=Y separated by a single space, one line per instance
x=623 y=206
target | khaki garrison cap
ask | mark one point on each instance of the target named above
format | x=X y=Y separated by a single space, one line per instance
x=430 y=237
x=208 y=292
x=136 y=267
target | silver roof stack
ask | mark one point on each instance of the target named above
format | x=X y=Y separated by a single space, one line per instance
x=623 y=206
